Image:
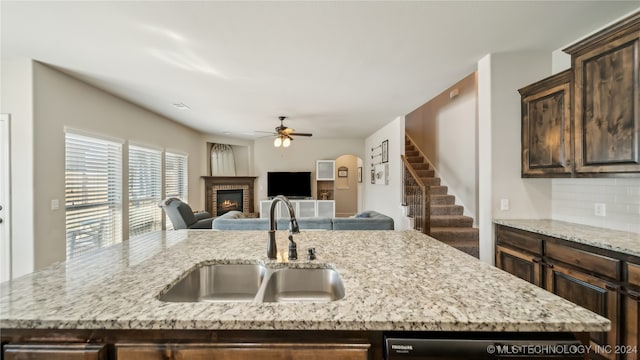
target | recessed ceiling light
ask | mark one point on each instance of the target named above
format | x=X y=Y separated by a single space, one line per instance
x=181 y=106
x=226 y=133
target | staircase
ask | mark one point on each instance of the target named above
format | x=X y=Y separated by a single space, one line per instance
x=447 y=222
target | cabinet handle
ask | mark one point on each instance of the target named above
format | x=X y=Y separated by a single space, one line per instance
x=633 y=295
x=536 y=260
x=611 y=287
x=547 y=265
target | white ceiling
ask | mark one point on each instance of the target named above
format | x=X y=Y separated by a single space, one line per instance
x=337 y=69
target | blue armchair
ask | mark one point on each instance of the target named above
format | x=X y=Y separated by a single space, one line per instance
x=182 y=217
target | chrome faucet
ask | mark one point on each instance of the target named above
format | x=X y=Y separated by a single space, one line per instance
x=272 y=250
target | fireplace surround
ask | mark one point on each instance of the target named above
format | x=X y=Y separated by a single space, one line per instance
x=214 y=183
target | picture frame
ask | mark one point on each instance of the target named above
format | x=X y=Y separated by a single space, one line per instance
x=343 y=172
x=373 y=176
x=359 y=174
x=385 y=151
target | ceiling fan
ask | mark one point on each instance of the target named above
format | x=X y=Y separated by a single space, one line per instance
x=284 y=134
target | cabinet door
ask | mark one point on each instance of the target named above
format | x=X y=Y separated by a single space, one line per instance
x=306 y=208
x=54 y=352
x=546 y=127
x=591 y=293
x=242 y=351
x=265 y=206
x=607 y=102
x=325 y=170
x=326 y=208
x=632 y=312
x=520 y=264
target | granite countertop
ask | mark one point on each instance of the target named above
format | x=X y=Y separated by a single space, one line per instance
x=620 y=241
x=394 y=280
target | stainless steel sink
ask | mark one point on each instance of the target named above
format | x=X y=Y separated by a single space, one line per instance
x=303 y=285
x=255 y=283
x=218 y=283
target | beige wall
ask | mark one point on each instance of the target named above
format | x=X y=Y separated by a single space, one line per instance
x=61 y=101
x=499 y=77
x=444 y=128
x=386 y=199
x=16 y=100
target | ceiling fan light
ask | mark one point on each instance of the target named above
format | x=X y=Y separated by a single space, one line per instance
x=277 y=142
x=286 y=142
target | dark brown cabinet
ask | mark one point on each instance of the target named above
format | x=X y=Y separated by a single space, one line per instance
x=546 y=126
x=242 y=351
x=585 y=121
x=520 y=254
x=54 y=352
x=94 y=344
x=589 y=280
x=606 y=99
x=632 y=312
x=605 y=282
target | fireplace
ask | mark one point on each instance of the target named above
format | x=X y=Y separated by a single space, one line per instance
x=226 y=193
x=228 y=200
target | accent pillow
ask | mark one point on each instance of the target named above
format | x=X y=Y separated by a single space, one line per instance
x=362 y=215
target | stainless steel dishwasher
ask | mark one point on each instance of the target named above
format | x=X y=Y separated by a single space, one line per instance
x=477 y=346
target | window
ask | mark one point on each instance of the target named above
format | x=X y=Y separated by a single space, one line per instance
x=176 y=179
x=145 y=190
x=93 y=188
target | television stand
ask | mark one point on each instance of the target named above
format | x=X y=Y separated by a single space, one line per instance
x=303 y=208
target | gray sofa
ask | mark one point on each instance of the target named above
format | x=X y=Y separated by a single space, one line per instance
x=367 y=220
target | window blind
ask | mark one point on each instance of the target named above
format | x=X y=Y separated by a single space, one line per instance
x=145 y=190
x=93 y=188
x=176 y=179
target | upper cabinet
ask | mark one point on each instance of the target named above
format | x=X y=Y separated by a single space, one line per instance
x=586 y=121
x=546 y=126
x=325 y=169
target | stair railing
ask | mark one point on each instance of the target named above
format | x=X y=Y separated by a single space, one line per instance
x=417 y=198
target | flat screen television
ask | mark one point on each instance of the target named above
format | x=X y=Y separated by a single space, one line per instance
x=295 y=185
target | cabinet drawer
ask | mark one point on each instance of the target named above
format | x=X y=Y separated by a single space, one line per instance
x=519 y=239
x=593 y=263
x=54 y=351
x=633 y=274
x=241 y=351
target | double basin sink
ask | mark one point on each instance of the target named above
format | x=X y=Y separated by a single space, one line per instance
x=255 y=283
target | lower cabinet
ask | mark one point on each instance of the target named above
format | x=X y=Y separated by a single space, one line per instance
x=242 y=351
x=302 y=208
x=519 y=263
x=591 y=293
x=604 y=282
x=631 y=301
x=176 y=344
x=54 y=352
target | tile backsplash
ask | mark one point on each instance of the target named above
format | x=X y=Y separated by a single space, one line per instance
x=575 y=200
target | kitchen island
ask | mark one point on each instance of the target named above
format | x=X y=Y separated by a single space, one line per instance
x=393 y=281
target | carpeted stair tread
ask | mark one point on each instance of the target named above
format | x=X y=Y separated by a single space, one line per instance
x=453 y=235
x=430 y=181
x=447 y=210
x=442 y=199
x=415 y=159
x=451 y=221
x=421 y=166
x=425 y=173
x=438 y=190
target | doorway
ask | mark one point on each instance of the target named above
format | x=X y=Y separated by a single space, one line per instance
x=5 y=175
x=346 y=186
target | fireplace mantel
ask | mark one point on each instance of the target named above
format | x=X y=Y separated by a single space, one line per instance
x=213 y=181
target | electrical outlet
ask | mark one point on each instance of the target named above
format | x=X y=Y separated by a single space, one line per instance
x=55 y=204
x=504 y=204
x=600 y=209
